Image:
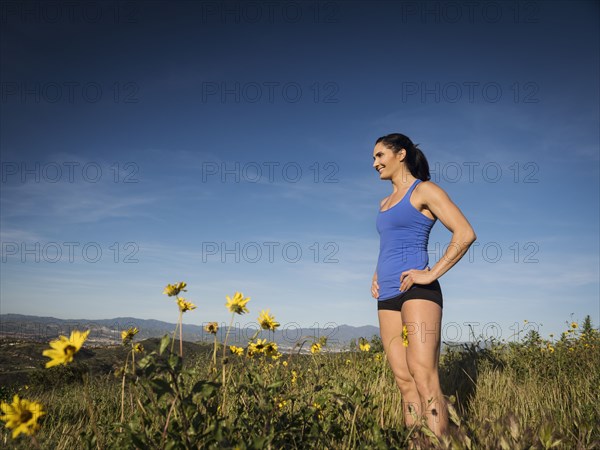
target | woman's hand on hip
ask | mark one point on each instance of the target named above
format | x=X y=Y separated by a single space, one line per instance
x=414 y=276
x=375 y=288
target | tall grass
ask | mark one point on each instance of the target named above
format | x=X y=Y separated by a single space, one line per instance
x=532 y=394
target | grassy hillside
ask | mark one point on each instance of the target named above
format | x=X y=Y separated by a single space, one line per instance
x=530 y=394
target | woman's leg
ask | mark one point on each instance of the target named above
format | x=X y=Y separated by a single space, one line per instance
x=390 y=328
x=423 y=319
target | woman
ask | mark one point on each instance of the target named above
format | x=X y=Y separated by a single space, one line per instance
x=407 y=289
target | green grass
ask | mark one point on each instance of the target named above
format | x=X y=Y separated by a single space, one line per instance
x=531 y=394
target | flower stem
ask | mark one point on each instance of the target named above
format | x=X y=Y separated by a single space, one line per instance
x=223 y=359
x=132 y=360
x=227 y=335
x=215 y=352
x=180 y=334
x=123 y=391
x=174 y=334
x=167 y=422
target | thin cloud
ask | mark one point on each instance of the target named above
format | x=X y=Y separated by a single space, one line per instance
x=74 y=203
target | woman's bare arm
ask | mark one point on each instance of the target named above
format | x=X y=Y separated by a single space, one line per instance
x=440 y=205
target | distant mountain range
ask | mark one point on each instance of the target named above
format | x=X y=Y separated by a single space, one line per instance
x=108 y=331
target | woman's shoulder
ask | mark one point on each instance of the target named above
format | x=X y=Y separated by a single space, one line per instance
x=428 y=186
x=429 y=189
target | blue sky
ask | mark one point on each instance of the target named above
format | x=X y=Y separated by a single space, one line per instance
x=123 y=132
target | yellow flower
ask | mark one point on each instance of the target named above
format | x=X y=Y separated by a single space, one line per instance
x=172 y=290
x=271 y=350
x=285 y=363
x=236 y=350
x=315 y=348
x=138 y=348
x=63 y=349
x=260 y=345
x=318 y=409
x=365 y=346
x=348 y=362
x=294 y=376
x=404 y=336
x=127 y=335
x=21 y=416
x=266 y=321
x=551 y=349
x=282 y=403
x=256 y=347
x=211 y=327
x=571 y=349
x=574 y=325
x=184 y=305
x=237 y=304
x=378 y=357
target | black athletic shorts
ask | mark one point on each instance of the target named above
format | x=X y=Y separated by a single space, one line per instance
x=431 y=291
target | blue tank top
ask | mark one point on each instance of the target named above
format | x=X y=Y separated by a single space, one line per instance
x=404 y=235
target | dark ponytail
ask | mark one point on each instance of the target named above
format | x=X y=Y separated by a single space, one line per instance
x=415 y=159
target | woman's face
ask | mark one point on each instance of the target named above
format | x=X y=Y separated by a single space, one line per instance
x=386 y=162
